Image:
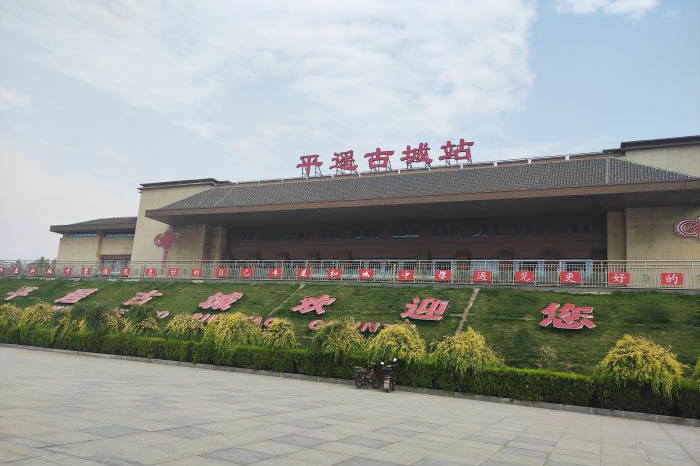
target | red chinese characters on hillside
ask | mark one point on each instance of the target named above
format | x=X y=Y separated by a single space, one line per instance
x=76 y=295
x=220 y=301
x=425 y=309
x=313 y=304
x=24 y=291
x=567 y=317
x=142 y=297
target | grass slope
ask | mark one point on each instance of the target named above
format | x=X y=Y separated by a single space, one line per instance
x=508 y=318
x=509 y=321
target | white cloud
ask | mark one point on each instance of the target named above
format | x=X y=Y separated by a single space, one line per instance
x=631 y=8
x=11 y=98
x=44 y=197
x=364 y=68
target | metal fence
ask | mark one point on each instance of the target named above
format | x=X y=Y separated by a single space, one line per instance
x=535 y=272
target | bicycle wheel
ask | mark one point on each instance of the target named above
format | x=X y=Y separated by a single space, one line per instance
x=359 y=380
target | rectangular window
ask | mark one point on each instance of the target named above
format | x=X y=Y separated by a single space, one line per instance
x=119 y=234
x=80 y=235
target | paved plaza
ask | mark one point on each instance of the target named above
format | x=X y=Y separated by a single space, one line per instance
x=75 y=410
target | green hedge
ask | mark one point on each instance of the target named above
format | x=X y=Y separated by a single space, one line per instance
x=537 y=385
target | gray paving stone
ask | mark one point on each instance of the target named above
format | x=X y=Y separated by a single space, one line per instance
x=359 y=461
x=428 y=461
x=304 y=424
x=536 y=441
x=396 y=431
x=112 y=431
x=364 y=441
x=189 y=432
x=486 y=439
x=524 y=452
x=237 y=455
x=114 y=461
x=299 y=440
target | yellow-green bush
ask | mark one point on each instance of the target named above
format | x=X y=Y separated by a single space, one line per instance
x=279 y=334
x=398 y=341
x=233 y=329
x=464 y=352
x=696 y=373
x=9 y=314
x=36 y=314
x=640 y=360
x=184 y=326
x=338 y=338
x=147 y=326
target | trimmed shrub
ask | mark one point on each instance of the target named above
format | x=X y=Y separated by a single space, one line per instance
x=279 y=334
x=464 y=352
x=232 y=329
x=9 y=314
x=337 y=339
x=641 y=361
x=696 y=373
x=147 y=326
x=184 y=326
x=36 y=314
x=398 y=341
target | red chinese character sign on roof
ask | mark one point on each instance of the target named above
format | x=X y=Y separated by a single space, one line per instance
x=570 y=277
x=459 y=152
x=366 y=274
x=427 y=309
x=379 y=159
x=406 y=275
x=567 y=317
x=417 y=155
x=24 y=291
x=220 y=301
x=167 y=240
x=76 y=295
x=344 y=162
x=274 y=272
x=307 y=163
x=142 y=297
x=303 y=273
x=313 y=303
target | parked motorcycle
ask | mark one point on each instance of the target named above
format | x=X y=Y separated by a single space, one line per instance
x=389 y=375
x=365 y=376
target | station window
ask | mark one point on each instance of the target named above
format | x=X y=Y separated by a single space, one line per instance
x=331 y=234
x=81 y=235
x=406 y=233
x=300 y=235
x=119 y=234
x=271 y=236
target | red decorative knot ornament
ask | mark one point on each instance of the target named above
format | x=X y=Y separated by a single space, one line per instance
x=167 y=240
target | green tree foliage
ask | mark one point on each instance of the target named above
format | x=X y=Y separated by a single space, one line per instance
x=279 y=334
x=398 y=341
x=464 y=352
x=640 y=360
x=231 y=330
x=337 y=339
x=184 y=326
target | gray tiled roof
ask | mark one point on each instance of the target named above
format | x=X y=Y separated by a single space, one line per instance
x=105 y=222
x=511 y=177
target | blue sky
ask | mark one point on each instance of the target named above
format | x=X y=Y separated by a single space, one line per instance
x=98 y=97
